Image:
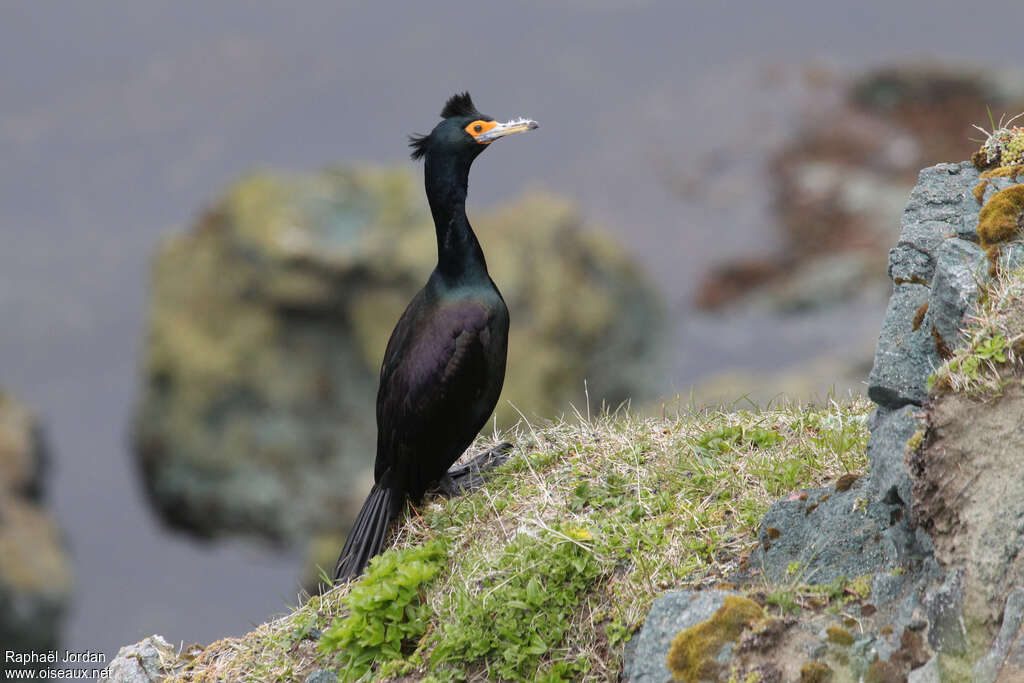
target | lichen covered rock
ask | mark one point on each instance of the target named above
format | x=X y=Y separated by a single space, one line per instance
x=695 y=651
x=35 y=574
x=646 y=659
x=269 y=320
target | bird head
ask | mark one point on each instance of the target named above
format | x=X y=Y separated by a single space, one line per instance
x=464 y=132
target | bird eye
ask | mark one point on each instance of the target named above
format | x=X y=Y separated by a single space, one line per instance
x=478 y=127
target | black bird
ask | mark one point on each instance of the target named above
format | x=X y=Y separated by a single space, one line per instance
x=445 y=362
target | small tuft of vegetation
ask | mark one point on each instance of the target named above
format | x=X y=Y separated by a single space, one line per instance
x=832 y=597
x=1003 y=145
x=993 y=353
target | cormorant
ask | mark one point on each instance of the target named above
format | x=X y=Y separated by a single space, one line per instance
x=445 y=362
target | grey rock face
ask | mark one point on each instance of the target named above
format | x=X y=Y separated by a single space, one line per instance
x=890 y=431
x=904 y=356
x=829 y=535
x=644 y=661
x=943 y=605
x=961 y=270
x=849 y=533
x=143 y=662
x=944 y=193
x=936 y=263
x=322 y=676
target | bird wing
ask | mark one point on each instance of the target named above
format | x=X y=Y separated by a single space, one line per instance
x=434 y=388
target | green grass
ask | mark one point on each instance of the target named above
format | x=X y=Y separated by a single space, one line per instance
x=548 y=570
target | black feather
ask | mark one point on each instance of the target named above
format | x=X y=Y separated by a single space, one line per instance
x=459 y=104
x=419 y=145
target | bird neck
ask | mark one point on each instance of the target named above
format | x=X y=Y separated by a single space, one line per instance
x=459 y=256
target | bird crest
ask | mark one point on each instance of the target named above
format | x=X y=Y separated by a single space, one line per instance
x=459 y=104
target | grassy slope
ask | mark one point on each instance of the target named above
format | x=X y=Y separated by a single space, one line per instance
x=547 y=570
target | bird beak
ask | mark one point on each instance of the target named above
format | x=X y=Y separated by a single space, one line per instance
x=507 y=128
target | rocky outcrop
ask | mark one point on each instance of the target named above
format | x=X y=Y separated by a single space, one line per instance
x=925 y=550
x=269 y=320
x=936 y=269
x=144 y=662
x=35 y=575
x=936 y=275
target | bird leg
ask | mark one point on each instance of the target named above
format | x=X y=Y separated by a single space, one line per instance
x=472 y=475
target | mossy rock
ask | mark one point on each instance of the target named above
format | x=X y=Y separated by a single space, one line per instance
x=693 y=654
x=269 y=319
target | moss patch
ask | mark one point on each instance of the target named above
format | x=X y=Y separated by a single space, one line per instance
x=814 y=672
x=979 y=191
x=919 y=316
x=981 y=161
x=691 y=656
x=844 y=482
x=1010 y=172
x=941 y=348
x=1000 y=218
x=915 y=280
x=914 y=442
x=839 y=635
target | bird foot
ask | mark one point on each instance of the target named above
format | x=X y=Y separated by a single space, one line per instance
x=473 y=474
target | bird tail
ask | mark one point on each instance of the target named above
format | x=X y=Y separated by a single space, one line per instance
x=367 y=534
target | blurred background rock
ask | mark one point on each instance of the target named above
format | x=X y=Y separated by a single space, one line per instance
x=751 y=161
x=35 y=571
x=270 y=317
x=839 y=183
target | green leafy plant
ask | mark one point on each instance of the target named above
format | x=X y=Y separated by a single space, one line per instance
x=722 y=439
x=386 y=611
x=521 y=611
x=992 y=348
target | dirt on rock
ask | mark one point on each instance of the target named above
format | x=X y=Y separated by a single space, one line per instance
x=968 y=495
